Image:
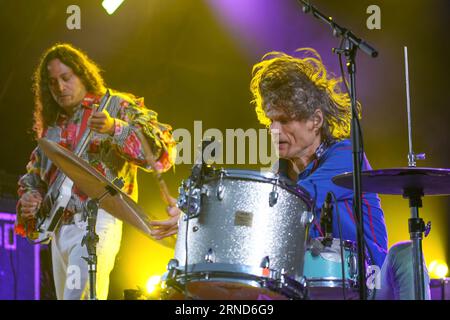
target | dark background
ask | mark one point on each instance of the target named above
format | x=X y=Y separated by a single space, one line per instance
x=192 y=60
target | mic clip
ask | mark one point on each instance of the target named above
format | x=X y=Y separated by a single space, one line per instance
x=327 y=241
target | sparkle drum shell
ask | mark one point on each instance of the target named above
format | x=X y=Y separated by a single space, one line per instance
x=251 y=229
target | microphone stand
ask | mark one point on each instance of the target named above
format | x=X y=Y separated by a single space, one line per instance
x=353 y=43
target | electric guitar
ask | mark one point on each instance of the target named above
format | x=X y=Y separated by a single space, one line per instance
x=59 y=193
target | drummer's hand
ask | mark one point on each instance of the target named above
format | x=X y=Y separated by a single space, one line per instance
x=29 y=203
x=166 y=228
x=101 y=122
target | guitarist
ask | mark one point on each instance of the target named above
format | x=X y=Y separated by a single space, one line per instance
x=68 y=88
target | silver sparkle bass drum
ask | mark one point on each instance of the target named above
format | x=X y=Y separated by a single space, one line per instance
x=243 y=236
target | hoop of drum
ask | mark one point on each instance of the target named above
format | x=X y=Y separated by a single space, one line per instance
x=244 y=235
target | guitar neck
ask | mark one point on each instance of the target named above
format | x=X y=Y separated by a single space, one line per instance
x=88 y=132
x=81 y=146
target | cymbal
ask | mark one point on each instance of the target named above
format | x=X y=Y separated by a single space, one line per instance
x=430 y=181
x=92 y=183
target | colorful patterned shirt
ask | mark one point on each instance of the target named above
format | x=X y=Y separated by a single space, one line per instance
x=116 y=155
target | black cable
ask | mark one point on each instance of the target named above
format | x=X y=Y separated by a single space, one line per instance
x=187 y=216
x=13 y=271
x=340 y=243
x=357 y=119
x=348 y=92
x=192 y=185
x=340 y=238
x=369 y=250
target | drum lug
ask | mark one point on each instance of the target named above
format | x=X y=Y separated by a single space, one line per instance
x=352 y=266
x=172 y=268
x=265 y=263
x=205 y=191
x=303 y=288
x=183 y=195
x=302 y=281
x=273 y=196
x=220 y=192
x=307 y=217
x=194 y=209
x=210 y=256
x=187 y=190
x=282 y=277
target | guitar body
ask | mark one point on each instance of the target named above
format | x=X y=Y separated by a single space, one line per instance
x=51 y=211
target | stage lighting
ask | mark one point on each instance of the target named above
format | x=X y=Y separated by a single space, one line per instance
x=152 y=284
x=438 y=269
x=111 y=5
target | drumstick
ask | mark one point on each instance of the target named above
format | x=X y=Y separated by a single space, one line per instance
x=165 y=194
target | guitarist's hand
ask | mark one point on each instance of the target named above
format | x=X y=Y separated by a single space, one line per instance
x=101 y=122
x=30 y=202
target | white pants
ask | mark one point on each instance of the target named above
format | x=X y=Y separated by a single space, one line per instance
x=70 y=270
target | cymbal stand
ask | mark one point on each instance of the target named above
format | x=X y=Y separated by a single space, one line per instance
x=415 y=224
x=91 y=239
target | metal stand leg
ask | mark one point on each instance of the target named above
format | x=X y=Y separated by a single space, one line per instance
x=416 y=229
x=90 y=240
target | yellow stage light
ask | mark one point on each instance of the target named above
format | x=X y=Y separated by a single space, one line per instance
x=111 y=5
x=438 y=269
x=152 y=284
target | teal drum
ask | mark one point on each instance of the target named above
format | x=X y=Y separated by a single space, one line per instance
x=331 y=270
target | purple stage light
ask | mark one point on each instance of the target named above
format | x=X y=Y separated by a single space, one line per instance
x=19 y=263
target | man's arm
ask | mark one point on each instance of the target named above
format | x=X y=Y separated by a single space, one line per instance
x=135 y=122
x=31 y=192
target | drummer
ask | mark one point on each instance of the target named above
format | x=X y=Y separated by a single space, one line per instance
x=297 y=98
x=68 y=87
x=305 y=106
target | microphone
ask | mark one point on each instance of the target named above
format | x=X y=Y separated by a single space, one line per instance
x=326 y=220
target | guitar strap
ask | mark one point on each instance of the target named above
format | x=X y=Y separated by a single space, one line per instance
x=86 y=114
x=112 y=108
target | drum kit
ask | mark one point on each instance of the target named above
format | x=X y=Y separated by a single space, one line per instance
x=244 y=234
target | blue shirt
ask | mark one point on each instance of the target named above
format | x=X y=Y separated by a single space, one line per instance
x=316 y=179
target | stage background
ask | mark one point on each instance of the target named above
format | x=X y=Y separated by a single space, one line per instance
x=192 y=60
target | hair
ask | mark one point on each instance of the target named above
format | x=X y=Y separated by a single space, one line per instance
x=298 y=87
x=45 y=107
